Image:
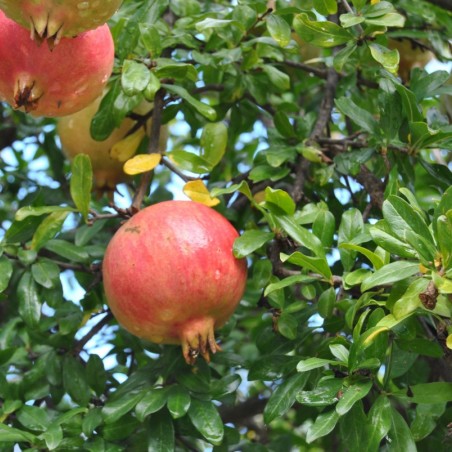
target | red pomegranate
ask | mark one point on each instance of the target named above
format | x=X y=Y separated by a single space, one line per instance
x=53 y=83
x=53 y=19
x=170 y=276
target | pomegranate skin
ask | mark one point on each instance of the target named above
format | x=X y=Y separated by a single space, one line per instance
x=170 y=275
x=53 y=19
x=53 y=83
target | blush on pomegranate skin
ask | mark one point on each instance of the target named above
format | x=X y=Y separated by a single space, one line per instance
x=170 y=275
x=53 y=83
x=53 y=19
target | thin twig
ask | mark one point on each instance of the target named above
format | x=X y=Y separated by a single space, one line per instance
x=153 y=148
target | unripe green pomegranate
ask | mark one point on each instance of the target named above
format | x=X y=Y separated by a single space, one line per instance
x=170 y=275
x=75 y=136
x=53 y=83
x=53 y=19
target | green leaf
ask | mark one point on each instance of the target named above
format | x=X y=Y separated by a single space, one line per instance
x=354 y=428
x=115 y=410
x=389 y=59
x=390 y=273
x=351 y=395
x=326 y=302
x=351 y=226
x=214 y=141
x=96 y=376
x=74 y=381
x=444 y=228
x=178 y=71
x=427 y=393
x=323 y=425
x=410 y=300
x=53 y=436
x=271 y=367
x=384 y=237
x=67 y=250
x=287 y=325
x=410 y=104
x=315 y=264
x=251 y=241
x=33 y=418
x=28 y=211
x=399 y=434
x=10 y=434
x=379 y=421
x=279 y=29
x=29 y=303
x=358 y=115
x=286 y=282
x=204 y=109
x=46 y=273
x=281 y=199
x=326 y=7
x=161 y=433
x=204 y=416
x=376 y=260
x=284 y=396
x=81 y=183
x=6 y=271
x=324 y=394
x=322 y=34
x=305 y=365
x=178 y=401
x=134 y=77
x=152 y=402
x=324 y=227
x=301 y=235
x=150 y=38
x=48 y=229
x=426 y=419
x=278 y=78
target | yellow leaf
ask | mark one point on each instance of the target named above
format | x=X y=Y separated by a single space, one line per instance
x=197 y=191
x=142 y=163
x=449 y=342
x=374 y=2
x=126 y=148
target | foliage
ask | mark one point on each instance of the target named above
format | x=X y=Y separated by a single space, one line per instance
x=338 y=175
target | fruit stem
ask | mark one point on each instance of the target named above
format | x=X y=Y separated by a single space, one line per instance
x=198 y=338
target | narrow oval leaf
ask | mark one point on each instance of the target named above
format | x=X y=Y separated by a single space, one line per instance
x=214 y=141
x=161 y=433
x=6 y=271
x=142 y=163
x=113 y=411
x=178 y=401
x=284 y=396
x=351 y=395
x=395 y=271
x=250 y=241
x=48 y=229
x=323 y=425
x=152 y=402
x=74 y=381
x=197 y=191
x=29 y=303
x=81 y=183
x=204 y=416
x=46 y=273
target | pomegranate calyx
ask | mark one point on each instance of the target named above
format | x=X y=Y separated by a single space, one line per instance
x=27 y=96
x=198 y=338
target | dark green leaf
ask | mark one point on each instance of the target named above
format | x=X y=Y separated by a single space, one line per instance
x=113 y=411
x=29 y=303
x=161 y=432
x=81 y=183
x=152 y=402
x=351 y=395
x=399 y=434
x=390 y=273
x=178 y=401
x=323 y=425
x=6 y=271
x=204 y=416
x=74 y=380
x=284 y=396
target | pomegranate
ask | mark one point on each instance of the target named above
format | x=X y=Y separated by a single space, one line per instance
x=75 y=136
x=170 y=276
x=53 y=83
x=53 y=19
